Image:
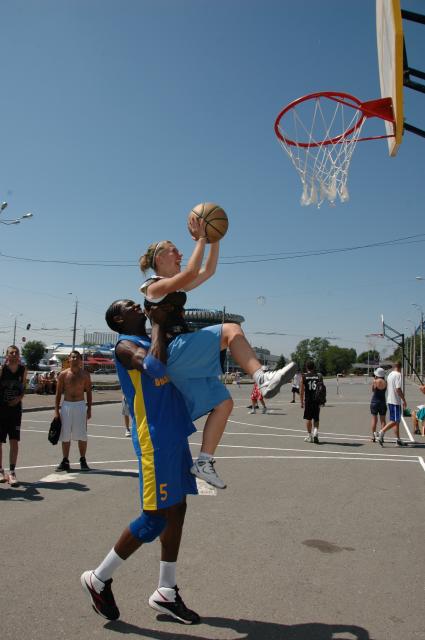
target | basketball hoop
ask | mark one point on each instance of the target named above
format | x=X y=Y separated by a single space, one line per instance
x=321 y=151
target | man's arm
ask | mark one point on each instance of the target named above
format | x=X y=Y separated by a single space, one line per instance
x=59 y=391
x=401 y=395
x=89 y=395
x=133 y=357
x=302 y=390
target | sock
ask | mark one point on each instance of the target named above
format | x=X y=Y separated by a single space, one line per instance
x=203 y=456
x=12 y=467
x=167 y=574
x=106 y=568
x=257 y=376
x=315 y=432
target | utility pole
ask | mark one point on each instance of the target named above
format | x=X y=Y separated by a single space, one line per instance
x=75 y=325
x=14 y=332
x=422 y=346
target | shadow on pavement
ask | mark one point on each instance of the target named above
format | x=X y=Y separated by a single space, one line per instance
x=29 y=491
x=253 y=630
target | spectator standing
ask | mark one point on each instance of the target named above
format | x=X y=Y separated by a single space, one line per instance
x=126 y=414
x=256 y=397
x=73 y=383
x=309 y=403
x=395 y=401
x=296 y=383
x=13 y=377
x=378 y=404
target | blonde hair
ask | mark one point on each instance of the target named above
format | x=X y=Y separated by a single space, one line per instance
x=147 y=261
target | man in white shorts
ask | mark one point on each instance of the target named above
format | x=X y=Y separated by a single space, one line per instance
x=75 y=385
x=395 y=401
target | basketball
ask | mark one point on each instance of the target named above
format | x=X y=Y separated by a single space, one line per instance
x=216 y=221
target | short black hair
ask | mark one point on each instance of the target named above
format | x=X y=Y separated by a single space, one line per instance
x=113 y=310
x=310 y=366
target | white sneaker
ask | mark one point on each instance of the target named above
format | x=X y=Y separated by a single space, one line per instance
x=204 y=469
x=169 y=601
x=127 y=433
x=309 y=438
x=252 y=411
x=271 y=381
x=3 y=477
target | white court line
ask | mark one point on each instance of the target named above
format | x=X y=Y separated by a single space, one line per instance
x=336 y=453
x=332 y=453
x=303 y=431
x=411 y=438
x=421 y=462
x=90 y=424
x=299 y=434
x=89 y=435
x=308 y=458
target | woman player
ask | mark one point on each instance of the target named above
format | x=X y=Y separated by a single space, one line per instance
x=378 y=404
x=193 y=362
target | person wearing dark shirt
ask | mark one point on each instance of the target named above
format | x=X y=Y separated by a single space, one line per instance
x=13 y=377
x=309 y=403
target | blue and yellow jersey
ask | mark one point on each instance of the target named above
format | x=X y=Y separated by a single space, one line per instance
x=161 y=422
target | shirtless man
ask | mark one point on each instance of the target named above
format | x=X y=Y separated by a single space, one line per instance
x=73 y=383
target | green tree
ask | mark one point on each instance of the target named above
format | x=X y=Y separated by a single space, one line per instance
x=318 y=348
x=302 y=353
x=280 y=363
x=338 y=359
x=368 y=356
x=33 y=352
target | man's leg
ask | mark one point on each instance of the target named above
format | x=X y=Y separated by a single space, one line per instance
x=64 y=465
x=316 y=431
x=97 y=583
x=82 y=447
x=384 y=429
x=166 y=598
x=2 y=474
x=309 y=438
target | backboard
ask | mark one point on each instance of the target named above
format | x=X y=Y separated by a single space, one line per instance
x=389 y=35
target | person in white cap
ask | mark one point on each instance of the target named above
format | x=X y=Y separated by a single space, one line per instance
x=378 y=404
x=396 y=403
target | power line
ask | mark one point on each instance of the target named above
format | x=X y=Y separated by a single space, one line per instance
x=229 y=260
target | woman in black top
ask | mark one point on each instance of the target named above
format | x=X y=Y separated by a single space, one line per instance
x=378 y=405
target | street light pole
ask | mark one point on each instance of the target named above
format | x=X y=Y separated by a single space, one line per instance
x=8 y=221
x=75 y=325
x=421 y=337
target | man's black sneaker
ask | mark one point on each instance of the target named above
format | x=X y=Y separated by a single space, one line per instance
x=63 y=466
x=400 y=443
x=169 y=601
x=101 y=596
x=316 y=439
x=83 y=464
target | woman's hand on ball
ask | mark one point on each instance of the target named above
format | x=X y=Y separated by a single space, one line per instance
x=196 y=226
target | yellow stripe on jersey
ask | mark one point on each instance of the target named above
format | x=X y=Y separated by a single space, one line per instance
x=144 y=437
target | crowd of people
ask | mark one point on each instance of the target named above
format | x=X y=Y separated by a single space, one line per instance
x=43 y=382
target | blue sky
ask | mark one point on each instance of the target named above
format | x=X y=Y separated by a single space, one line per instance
x=118 y=116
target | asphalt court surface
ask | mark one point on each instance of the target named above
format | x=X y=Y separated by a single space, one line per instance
x=308 y=542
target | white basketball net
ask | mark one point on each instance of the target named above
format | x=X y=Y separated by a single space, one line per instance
x=323 y=169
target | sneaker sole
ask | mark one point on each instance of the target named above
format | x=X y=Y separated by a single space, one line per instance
x=286 y=377
x=155 y=605
x=207 y=479
x=87 y=590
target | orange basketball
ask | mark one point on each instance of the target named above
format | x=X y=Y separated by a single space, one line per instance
x=216 y=221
